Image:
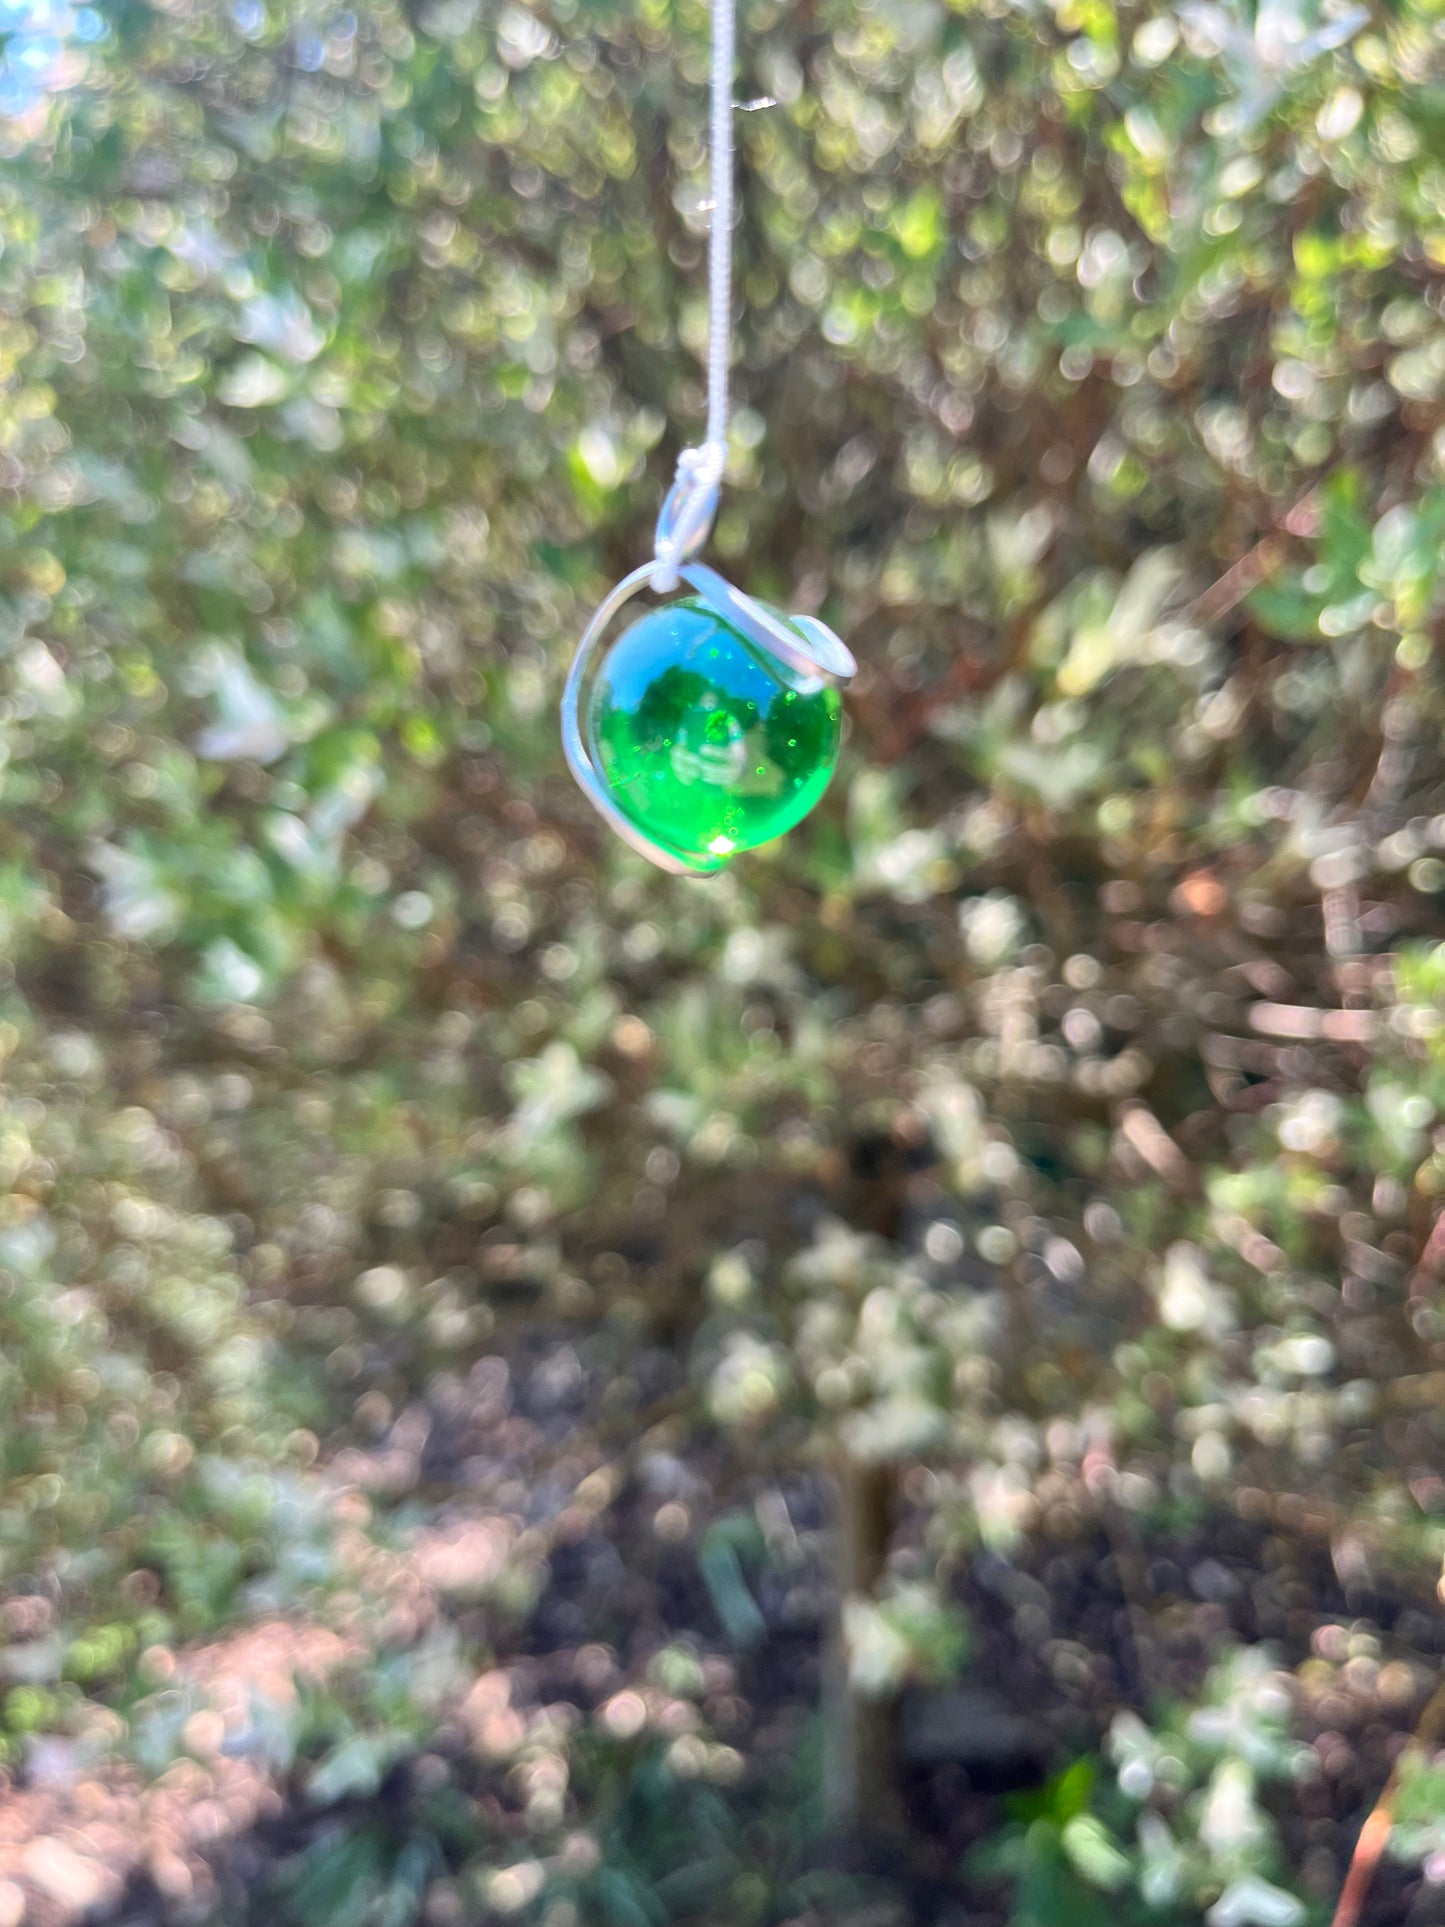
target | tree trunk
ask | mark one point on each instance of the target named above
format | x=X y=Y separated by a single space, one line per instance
x=864 y=1798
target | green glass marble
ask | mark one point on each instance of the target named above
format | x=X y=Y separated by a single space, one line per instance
x=707 y=743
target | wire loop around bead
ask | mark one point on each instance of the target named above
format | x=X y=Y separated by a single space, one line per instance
x=806 y=645
x=589 y=777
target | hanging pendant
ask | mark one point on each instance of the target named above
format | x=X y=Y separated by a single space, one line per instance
x=713 y=723
x=710 y=725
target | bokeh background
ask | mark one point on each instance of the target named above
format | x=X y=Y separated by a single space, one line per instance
x=905 y=1383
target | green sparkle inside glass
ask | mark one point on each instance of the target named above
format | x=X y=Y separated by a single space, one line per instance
x=707 y=742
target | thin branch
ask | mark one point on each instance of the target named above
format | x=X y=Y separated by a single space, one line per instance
x=1375 y=1833
x=1432 y=1260
x=1145 y=1135
x=1304 y=1021
x=1230 y=589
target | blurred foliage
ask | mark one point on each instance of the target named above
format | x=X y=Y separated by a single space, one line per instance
x=1179 y=1825
x=1055 y=1118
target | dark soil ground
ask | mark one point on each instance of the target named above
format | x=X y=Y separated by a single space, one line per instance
x=1065 y=1633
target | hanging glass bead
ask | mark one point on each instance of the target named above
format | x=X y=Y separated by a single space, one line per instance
x=712 y=725
x=708 y=744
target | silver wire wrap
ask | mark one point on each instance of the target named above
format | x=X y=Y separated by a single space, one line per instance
x=805 y=645
x=589 y=778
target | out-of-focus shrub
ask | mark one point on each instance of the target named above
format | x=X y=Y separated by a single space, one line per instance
x=1055 y=1119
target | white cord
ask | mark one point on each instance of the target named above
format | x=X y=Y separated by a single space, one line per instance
x=691 y=503
x=720 y=238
